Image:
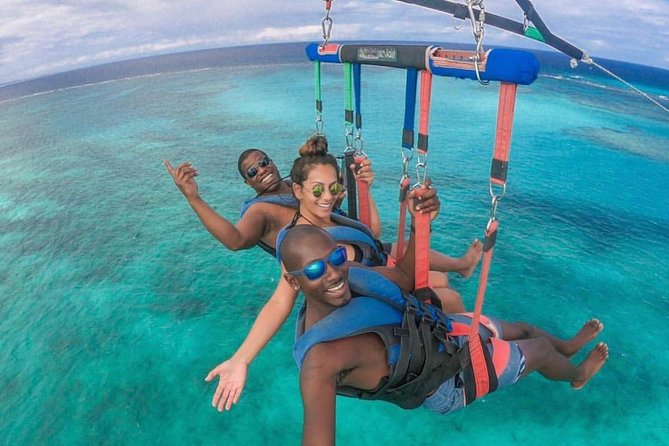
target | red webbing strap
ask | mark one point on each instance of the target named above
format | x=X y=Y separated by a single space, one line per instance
x=479 y=365
x=424 y=120
x=422 y=239
x=422 y=221
x=363 y=197
x=505 y=110
x=498 y=172
x=401 y=228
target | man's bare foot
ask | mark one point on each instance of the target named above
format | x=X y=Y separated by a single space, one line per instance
x=591 y=365
x=471 y=258
x=587 y=333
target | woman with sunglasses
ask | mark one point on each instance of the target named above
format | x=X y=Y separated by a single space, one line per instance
x=273 y=207
x=315 y=183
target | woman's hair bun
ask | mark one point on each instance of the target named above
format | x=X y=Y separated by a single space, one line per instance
x=316 y=145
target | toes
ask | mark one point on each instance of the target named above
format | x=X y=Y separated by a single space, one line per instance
x=595 y=325
x=603 y=350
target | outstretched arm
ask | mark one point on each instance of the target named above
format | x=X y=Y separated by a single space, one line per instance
x=245 y=234
x=318 y=385
x=232 y=372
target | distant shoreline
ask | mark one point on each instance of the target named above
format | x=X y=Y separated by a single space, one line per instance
x=275 y=53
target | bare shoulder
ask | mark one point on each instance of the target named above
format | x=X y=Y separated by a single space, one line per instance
x=275 y=215
x=271 y=212
x=346 y=353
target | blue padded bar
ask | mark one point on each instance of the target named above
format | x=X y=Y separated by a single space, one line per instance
x=507 y=65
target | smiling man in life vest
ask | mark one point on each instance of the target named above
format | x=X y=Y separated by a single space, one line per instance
x=359 y=336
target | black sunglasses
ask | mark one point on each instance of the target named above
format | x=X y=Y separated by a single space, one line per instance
x=253 y=170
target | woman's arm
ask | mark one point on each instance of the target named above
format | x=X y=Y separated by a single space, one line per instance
x=268 y=322
x=232 y=372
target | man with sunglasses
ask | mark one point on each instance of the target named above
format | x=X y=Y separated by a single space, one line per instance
x=262 y=216
x=359 y=336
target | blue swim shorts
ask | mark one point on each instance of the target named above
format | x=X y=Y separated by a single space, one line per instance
x=509 y=363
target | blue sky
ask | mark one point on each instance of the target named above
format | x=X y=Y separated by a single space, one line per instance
x=44 y=37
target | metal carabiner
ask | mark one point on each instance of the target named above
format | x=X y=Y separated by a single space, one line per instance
x=358 y=144
x=319 y=123
x=348 y=134
x=493 y=195
x=326 y=25
x=421 y=173
x=493 y=208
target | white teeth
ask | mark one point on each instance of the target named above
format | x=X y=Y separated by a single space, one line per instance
x=337 y=287
x=267 y=179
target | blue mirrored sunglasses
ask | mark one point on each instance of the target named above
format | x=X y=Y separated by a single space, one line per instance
x=315 y=270
x=253 y=170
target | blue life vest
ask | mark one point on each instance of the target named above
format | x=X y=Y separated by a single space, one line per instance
x=350 y=232
x=287 y=200
x=420 y=352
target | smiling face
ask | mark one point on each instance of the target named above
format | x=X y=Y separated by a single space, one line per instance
x=305 y=245
x=260 y=172
x=318 y=193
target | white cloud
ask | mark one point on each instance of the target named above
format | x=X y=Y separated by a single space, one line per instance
x=39 y=36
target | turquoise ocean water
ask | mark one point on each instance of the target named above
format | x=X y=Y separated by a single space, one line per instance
x=115 y=301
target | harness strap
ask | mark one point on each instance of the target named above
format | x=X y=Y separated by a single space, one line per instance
x=401 y=228
x=417 y=342
x=470 y=378
x=407 y=154
x=427 y=294
x=349 y=178
x=498 y=172
x=505 y=112
x=319 y=99
x=422 y=221
x=363 y=187
x=424 y=123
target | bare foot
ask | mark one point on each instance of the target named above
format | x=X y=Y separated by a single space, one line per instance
x=587 y=333
x=471 y=258
x=591 y=365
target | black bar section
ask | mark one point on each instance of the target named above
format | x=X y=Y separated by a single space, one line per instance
x=422 y=142
x=498 y=169
x=398 y=56
x=490 y=241
x=407 y=138
x=319 y=105
x=348 y=116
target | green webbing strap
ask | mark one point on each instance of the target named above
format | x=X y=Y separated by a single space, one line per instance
x=348 y=99
x=319 y=101
x=317 y=78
